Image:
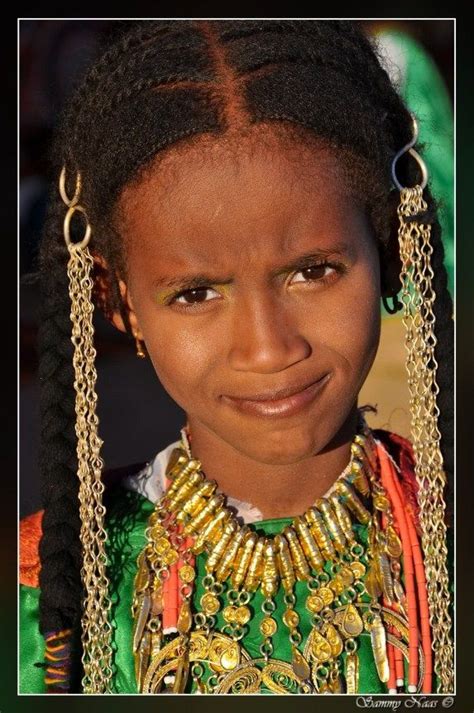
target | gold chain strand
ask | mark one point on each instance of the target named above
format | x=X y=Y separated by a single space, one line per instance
x=96 y=629
x=186 y=575
x=96 y=639
x=418 y=317
x=268 y=628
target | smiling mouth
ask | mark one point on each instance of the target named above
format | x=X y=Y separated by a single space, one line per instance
x=284 y=402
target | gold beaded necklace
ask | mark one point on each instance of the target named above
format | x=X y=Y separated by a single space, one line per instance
x=344 y=580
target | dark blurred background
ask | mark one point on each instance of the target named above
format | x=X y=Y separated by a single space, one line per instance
x=137 y=418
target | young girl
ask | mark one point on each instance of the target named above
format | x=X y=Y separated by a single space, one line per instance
x=228 y=194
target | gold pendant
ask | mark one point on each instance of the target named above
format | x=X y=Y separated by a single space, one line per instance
x=336 y=685
x=351 y=624
x=185 y=618
x=224 y=654
x=144 y=603
x=334 y=639
x=379 y=647
x=142 y=657
x=386 y=576
x=393 y=546
x=319 y=649
x=299 y=664
x=352 y=673
x=372 y=581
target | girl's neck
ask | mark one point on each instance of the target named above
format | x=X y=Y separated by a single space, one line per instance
x=276 y=490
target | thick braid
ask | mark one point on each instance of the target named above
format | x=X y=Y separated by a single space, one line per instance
x=60 y=546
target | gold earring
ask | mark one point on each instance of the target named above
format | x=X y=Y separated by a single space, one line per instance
x=138 y=342
x=418 y=317
x=96 y=628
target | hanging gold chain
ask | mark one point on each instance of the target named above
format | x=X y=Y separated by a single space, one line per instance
x=96 y=629
x=418 y=317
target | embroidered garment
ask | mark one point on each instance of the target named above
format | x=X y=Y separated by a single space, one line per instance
x=130 y=501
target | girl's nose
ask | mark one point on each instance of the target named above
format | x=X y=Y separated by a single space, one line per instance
x=266 y=338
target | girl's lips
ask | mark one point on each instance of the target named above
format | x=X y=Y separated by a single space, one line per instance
x=279 y=407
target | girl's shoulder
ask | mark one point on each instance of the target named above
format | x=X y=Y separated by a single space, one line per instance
x=30 y=530
x=29 y=538
x=401 y=451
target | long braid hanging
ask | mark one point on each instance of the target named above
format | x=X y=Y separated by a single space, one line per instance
x=418 y=296
x=96 y=628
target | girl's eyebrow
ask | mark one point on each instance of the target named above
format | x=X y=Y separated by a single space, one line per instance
x=193 y=281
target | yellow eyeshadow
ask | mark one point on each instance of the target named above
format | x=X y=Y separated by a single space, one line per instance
x=163 y=296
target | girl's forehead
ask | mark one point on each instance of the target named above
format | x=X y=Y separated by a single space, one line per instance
x=188 y=182
x=230 y=208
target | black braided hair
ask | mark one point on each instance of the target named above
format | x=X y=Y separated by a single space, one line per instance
x=161 y=84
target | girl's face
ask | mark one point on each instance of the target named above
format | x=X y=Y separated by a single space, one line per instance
x=250 y=272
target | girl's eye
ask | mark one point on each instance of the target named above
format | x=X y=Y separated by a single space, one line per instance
x=316 y=273
x=198 y=295
x=192 y=297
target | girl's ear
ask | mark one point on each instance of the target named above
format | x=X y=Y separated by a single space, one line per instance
x=102 y=290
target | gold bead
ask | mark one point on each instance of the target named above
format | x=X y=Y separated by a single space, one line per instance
x=181 y=478
x=285 y=565
x=196 y=502
x=381 y=503
x=298 y=558
x=210 y=603
x=243 y=558
x=219 y=549
x=161 y=545
x=255 y=569
x=332 y=524
x=359 y=477
x=226 y=562
x=185 y=618
x=205 y=515
x=242 y=615
x=343 y=516
x=268 y=626
x=186 y=573
x=336 y=585
x=270 y=572
x=157 y=531
x=213 y=527
x=327 y=595
x=170 y=557
x=177 y=460
x=353 y=502
x=346 y=575
x=291 y=618
x=309 y=545
x=358 y=569
x=320 y=533
x=229 y=614
x=314 y=603
x=184 y=491
x=230 y=657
